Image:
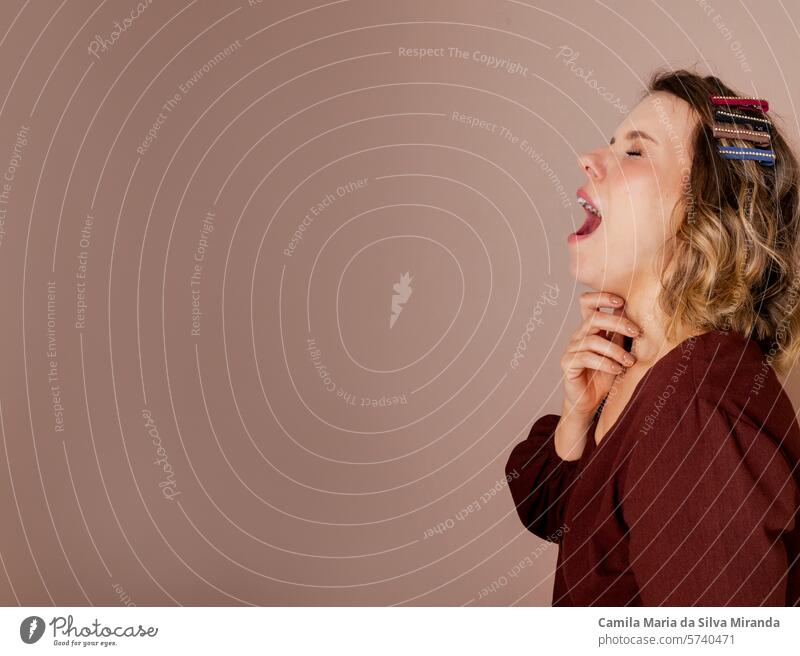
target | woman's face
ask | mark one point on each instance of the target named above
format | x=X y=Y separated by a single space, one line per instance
x=635 y=182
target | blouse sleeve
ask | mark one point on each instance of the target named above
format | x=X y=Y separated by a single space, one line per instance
x=540 y=480
x=706 y=497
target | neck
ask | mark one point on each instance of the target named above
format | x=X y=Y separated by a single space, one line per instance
x=641 y=307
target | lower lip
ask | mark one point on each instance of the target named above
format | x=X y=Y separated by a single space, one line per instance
x=575 y=237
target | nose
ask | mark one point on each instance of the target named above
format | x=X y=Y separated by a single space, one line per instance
x=590 y=163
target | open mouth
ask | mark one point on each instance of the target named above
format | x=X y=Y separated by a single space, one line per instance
x=590 y=224
x=592 y=220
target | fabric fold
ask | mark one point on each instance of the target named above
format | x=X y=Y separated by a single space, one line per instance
x=540 y=480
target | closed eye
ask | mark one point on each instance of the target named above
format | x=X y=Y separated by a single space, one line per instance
x=634 y=152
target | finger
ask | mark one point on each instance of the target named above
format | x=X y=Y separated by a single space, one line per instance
x=606 y=324
x=605 y=347
x=592 y=301
x=618 y=337
x=575 y=364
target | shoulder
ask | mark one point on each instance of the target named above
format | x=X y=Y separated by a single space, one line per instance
x=726 y=361
x=723 y=401
x=706 y=448
x=733 y=375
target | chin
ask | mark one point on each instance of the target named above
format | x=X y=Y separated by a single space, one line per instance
x=598 y=278
x=586 y=272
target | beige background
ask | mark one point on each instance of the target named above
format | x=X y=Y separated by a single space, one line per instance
x=291 y=482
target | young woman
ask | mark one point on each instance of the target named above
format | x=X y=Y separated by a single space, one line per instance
x=671 y=475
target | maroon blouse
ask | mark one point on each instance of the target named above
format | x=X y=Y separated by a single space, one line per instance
x=691 y=497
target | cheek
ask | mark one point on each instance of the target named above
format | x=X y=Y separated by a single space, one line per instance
x=645 y=223
x=650 y=231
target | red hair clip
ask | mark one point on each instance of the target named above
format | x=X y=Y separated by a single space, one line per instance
x=735 y=101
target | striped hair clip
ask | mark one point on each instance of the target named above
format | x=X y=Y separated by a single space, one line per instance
x=736 y=131
x=743 y=119
x=737 y=118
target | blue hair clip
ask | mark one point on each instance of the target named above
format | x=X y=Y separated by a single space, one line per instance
x=760 y=155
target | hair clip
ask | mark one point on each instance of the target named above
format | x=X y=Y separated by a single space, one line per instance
x=735 y=132
x=760 y=155
x=744 y=126
x=735 y=101
x=754 y=122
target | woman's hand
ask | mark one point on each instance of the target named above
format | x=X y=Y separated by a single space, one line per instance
x=595 y=355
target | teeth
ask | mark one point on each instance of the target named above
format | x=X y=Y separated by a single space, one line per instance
x=588 y=205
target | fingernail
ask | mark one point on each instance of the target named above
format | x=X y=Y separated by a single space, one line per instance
x=616 y=300
x=633 y=331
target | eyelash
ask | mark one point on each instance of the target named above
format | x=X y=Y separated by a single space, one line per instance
x=637 y=152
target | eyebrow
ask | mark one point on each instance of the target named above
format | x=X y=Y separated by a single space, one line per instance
x=633 y=134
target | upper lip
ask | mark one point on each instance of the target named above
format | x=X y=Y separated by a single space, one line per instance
x=582 y=194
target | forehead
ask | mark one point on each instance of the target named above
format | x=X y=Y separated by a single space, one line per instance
x=662 y=115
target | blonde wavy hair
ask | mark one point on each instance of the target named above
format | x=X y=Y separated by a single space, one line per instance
x=735 y=260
